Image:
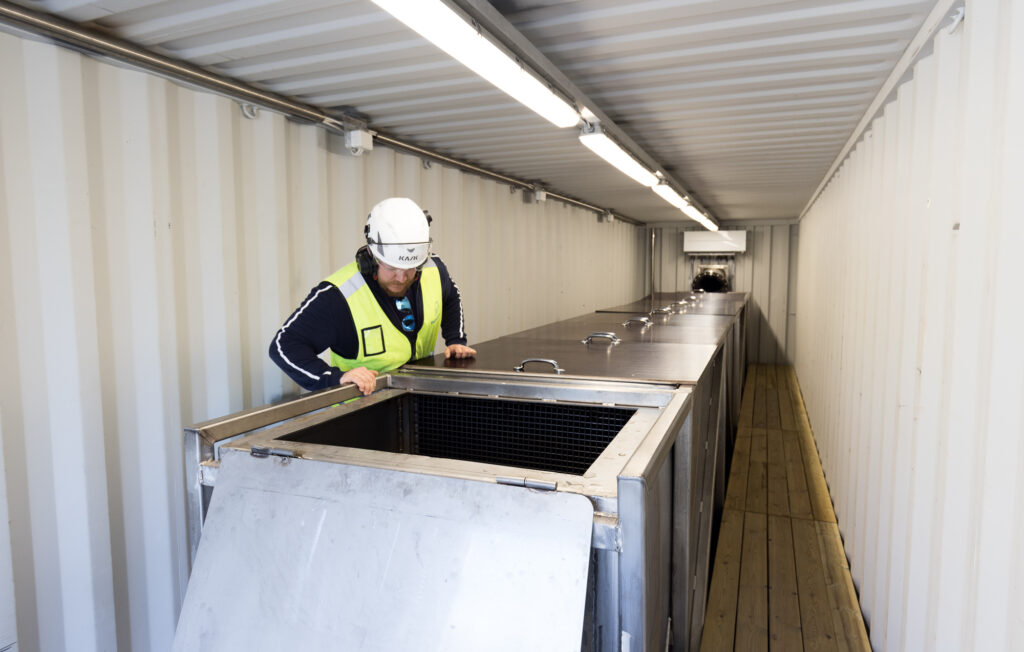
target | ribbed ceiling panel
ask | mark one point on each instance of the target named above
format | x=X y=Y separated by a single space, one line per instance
x=747 y=102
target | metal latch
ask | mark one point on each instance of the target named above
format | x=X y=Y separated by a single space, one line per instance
x=528 y=483
x=264 y=451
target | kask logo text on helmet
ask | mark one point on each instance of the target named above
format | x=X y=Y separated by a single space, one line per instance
x=407 y=258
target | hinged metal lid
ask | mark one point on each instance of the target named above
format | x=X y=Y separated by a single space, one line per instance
x=659 y=363
x=725 y=303
x=310 y=555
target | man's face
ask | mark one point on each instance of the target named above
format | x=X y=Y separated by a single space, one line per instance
x=396 y=282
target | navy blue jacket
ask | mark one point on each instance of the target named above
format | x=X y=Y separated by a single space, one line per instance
x=323 y=321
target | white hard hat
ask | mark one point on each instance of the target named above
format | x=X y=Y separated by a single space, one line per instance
x=398 y=233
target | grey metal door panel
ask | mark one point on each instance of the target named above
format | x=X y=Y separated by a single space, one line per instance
x=307 y=555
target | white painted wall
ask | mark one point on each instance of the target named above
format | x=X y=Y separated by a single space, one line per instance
x=152 y=241
x=8 y=624
x=911 y=356
x=764 y=270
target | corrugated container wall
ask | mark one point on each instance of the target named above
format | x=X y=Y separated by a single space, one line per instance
x=911 y=355
x=764 y=270
x=153 y=240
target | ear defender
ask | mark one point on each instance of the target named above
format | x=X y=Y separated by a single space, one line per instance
x=366 y=262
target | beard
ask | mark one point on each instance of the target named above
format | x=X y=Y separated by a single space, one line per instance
x=396 y=289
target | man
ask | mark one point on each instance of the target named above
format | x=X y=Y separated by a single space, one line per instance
x=378 y=312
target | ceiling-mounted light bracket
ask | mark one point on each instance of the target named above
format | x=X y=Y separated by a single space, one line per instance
x=594 y=139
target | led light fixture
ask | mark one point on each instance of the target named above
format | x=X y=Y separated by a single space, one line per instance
x=436 y=22
x=606 y=148
x=667 y=193
x=694 y=214
x=670 y=195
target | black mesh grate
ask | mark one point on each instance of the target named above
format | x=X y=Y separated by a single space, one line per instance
x=545 y=437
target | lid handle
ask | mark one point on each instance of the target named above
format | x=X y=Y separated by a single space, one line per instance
x=612 y=337
x=522 y=365
x=646 y=321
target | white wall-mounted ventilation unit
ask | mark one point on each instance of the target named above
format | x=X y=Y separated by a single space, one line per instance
x=714 y=242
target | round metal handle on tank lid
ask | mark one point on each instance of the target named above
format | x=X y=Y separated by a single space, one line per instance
x=646 y=321
x=610 y=336
x=664 y=310
x=553 y=363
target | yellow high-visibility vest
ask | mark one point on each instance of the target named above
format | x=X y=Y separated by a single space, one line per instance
x=382 y=346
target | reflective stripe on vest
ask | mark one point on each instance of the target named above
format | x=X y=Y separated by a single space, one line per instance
x=382 y=346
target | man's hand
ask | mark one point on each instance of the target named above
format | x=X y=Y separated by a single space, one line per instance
x=458 y=351
x=363 y=378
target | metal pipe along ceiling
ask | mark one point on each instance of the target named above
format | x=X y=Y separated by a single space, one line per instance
x=76 y=37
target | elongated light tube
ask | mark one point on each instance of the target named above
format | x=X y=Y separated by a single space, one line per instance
x=669 y=194
x=695 y=215
x=606 y=148
x=436 y=22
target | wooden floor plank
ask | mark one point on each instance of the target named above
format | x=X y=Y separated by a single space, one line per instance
x=772 y=418
x=781 y=580
x=786 y=419
x=771 y=399
x=760 y=396
x=796 y=477
x=720 y=617
x=799 y=413
x=736 y=489
x=783 y=603
x=817 y=488
x=778 y=487
x=851 y=633
x=757 y=475
x=815 y=614
x=747 y=401
x=752 y=603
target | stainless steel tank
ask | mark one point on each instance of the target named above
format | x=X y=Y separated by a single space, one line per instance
x=614 y=423
x=426 y=437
